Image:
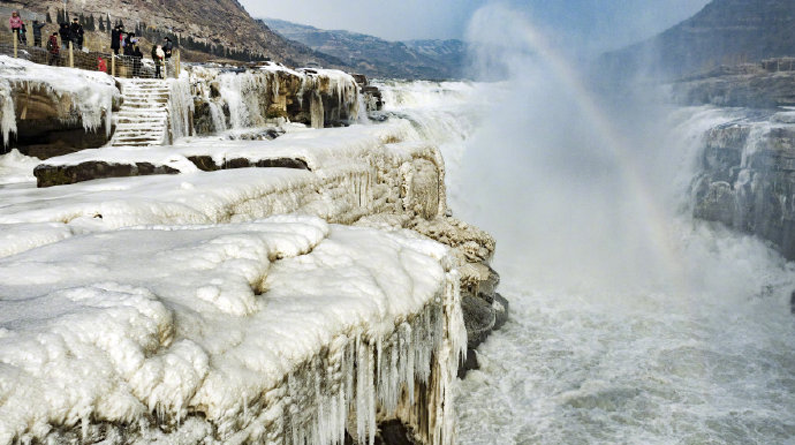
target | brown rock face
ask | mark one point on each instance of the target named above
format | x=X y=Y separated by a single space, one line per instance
x=48 y=175
x=49 y=124
x=214 y=22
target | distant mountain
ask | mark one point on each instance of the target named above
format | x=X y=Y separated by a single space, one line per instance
x=214 y=27
x=416 y=59
x=724 y=32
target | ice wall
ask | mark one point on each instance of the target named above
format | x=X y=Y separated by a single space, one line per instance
x=744 y=171
x=180 y=107
x=31 y=91
x=285 y=330
x=243 y=98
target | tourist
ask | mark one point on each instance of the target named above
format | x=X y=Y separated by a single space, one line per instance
x=102 y=66
x=115 y=39
x=129 y=44
x=16 y=24
x=138 y=56
x=53 y=56
x=76 y=34
x=37 y=33
x=23 y=35
x=168 y=47
x=157 y=56
x=65 y=35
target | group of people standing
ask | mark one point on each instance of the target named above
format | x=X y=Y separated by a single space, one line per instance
x=73 y=34
x=68 y=33
x=127 y=44
x=19 y=28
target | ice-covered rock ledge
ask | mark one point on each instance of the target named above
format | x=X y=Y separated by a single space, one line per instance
x=285 y=330
x=51 y=111
x=380 y=178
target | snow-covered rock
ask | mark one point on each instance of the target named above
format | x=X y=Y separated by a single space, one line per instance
x=230 y=306
x=277 y=331
x=67 y=108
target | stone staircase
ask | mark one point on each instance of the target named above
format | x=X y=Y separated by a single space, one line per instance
x=142 y=120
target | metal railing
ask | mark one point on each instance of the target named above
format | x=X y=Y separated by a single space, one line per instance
x=117 y=66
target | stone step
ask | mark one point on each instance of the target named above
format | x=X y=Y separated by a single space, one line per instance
x=139 y=106
x=133 y=114
x=142 y=120
x=128 y=90
x=137 y=130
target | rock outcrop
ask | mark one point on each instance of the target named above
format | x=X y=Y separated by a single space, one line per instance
x=242 y=98
x=748 y=178
x=44 y=116
x=768 y=84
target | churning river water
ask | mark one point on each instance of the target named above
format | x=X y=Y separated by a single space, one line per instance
x=631 y=323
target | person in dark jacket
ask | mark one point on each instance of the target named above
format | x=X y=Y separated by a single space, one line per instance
x=76 y=34
x=23 y=35
x=115 y=40
x=53 y=56
x=65 y=35
x=138 y=57
x=129 y=44
x=37 y=33
x=168 y=47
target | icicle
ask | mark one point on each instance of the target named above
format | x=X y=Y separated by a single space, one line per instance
x=8 y=119
x=180 y=106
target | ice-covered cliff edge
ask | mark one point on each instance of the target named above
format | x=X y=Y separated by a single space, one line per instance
x=49 y=111
x=745 y=180
x=229 y=306
x=274 y=331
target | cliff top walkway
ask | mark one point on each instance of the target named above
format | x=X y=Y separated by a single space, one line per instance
x=117 y=66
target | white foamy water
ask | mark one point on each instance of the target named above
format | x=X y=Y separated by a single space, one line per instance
x=631 y=323
x=654 y=366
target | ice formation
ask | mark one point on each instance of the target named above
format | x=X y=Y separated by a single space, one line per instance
x=407 y=337
x=8 y=120
x=88 y=95
x=239 y=99
x=180 y=106
x=274 y=331
x=227 y=307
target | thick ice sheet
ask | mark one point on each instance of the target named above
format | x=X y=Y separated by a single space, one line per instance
x=112 y=326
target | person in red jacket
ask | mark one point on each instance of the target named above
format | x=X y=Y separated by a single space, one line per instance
x=102 y=65
x=53 y=50
x=16 y=24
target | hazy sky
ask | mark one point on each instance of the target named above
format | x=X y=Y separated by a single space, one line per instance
x=596 y=23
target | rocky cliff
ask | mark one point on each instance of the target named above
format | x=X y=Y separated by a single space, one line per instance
x=763 y=85
x=724 y=32
x=417 y=59
x=211 y=22
x=748 y=177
